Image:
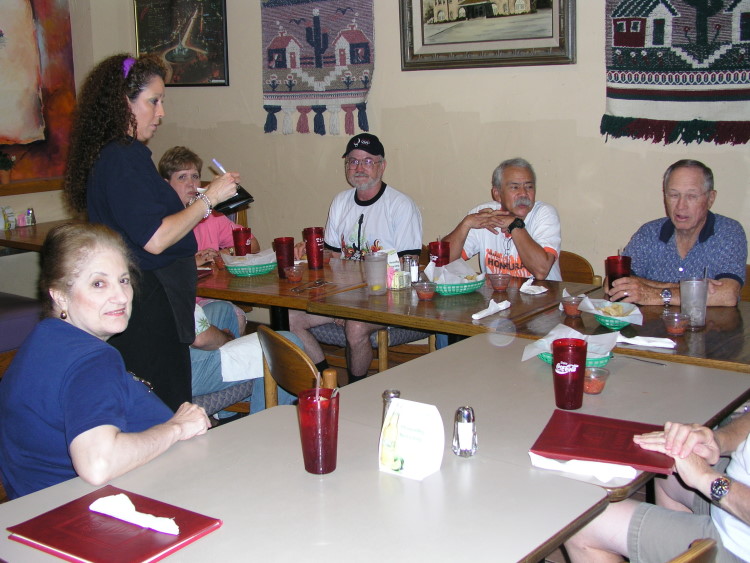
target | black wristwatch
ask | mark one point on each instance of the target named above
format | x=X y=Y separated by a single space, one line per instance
x=666 y=296
x=516 y=224
x=719 y=488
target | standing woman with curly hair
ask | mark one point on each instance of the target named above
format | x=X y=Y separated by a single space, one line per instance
x=110 y=176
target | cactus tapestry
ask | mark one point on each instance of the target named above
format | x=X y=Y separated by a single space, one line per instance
x=678 y=70
x=318 y=57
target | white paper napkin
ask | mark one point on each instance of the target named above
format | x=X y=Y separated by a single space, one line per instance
x=632 y=314
x=648 y=341
x=267 y=256
x=120 y=507
x=454 y=273
x=242 y=358
x=604 y=472
x=530 y=289
x=598 y=345
x=493 y=308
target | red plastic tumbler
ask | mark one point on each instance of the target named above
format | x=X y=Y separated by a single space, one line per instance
x=314 y=247
x=440 y=252
x=242 y=239
x=284 y=247
x=568 y=371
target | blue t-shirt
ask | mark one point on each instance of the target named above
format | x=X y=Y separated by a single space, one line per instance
x=63 y=382
x=126 y=193
x=721 y=247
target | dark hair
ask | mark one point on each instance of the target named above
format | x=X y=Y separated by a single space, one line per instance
x=176 y=159
x=66 y=250
x=708 y=175
x=102 y=115
x=497 y=174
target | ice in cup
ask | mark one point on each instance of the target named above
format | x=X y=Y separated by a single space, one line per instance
x=568 y=370
x=693 y=298
x=284 y=248
x=318 y=411
x=570 y=305
x=376 y=270
x=242 y=237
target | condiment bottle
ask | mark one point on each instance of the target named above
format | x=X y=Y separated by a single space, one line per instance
x=30 y=217
x=389 y=394
x=464 y=432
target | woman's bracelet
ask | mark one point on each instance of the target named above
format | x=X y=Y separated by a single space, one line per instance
x=204 y=199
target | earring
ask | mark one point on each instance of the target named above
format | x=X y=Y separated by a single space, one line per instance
x=63 y=315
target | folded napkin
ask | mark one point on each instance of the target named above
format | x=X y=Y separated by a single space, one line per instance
x=491 y=310
x=648 y=341
x=530 y=289
x=122 y=508
x=598 y=345
x=267 y=256
x=242 y=358
x=632 y=314
x=604 y=472
x=566 y=294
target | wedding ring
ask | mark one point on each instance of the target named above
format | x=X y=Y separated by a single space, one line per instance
x=627 y=294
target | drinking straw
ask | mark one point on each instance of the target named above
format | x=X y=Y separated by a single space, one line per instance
x=705 y=272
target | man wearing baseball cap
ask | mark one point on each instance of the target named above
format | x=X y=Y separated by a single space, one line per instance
x=369 y=217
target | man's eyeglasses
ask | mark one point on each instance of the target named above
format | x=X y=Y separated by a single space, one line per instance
x=366 y=162
x=674 y=197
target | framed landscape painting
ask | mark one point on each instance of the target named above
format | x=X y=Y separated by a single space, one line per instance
x=443 y=34
x=189 y=36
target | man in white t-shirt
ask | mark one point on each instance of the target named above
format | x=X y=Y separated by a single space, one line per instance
x=513 y=234
x=369 y=217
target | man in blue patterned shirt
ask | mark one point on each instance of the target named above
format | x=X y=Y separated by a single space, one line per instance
x=683 y=244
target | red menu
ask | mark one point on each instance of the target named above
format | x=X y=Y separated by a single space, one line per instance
x=573 y=435
x=75 y=533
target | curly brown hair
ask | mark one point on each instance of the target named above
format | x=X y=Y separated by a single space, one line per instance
x=102 y=115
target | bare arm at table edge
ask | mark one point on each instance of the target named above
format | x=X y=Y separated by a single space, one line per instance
x=104 y=453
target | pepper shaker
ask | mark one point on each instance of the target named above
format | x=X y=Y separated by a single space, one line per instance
x=30 y=217
x=389 y=394
x=464 y=432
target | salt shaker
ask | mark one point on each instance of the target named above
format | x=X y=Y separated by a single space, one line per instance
x=389 y=394
x=464 y=432
x=30 y=217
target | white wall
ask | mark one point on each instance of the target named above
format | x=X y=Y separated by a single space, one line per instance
x=444 y=132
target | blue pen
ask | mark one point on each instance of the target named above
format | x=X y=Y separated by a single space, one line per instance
x=218 y=165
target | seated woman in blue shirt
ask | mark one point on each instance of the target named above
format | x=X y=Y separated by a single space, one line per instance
x=68 y=407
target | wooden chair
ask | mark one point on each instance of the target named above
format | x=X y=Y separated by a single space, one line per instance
x=700 y=551
x=286 y=364
x=575 y=268
x=745 y=291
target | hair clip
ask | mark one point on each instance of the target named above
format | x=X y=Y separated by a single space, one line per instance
x=127 y=64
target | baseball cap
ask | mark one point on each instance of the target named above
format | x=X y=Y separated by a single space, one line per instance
x=365 y=142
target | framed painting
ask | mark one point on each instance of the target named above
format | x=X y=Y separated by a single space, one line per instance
x=190 y=37
x=444 y=34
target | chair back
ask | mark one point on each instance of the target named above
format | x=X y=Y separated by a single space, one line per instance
x=576 y=269
x=286 y=364
x=700 y=551
x=745 y=291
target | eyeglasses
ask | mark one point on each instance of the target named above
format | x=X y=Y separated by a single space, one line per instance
x=674 y=197
x=366 y=162
x=148 y=384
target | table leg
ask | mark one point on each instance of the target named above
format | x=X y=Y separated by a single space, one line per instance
x=279 y=318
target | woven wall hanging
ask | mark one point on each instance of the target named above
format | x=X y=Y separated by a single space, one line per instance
x=319 y=57
x=678 y=70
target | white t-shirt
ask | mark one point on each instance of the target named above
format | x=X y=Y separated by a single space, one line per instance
x=389 y=221
x=499 y=254
x=735 y=534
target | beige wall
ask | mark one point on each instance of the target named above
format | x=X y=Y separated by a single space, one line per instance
x=444 y=132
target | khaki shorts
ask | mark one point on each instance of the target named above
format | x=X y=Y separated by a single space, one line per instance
x=658 y=534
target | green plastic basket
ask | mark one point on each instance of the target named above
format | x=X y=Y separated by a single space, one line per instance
x=458 y=288
x=546 y=357
x=254 y=270
x=611 y=322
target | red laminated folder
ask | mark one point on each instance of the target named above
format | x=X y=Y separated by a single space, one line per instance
x=572 y=435
x=75 y=533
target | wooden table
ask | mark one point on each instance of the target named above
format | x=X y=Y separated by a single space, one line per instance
x=29 y=238
x=723 y=344
x=271 y=291
x=445 y=313
x=513 y=400
x=250 y=474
